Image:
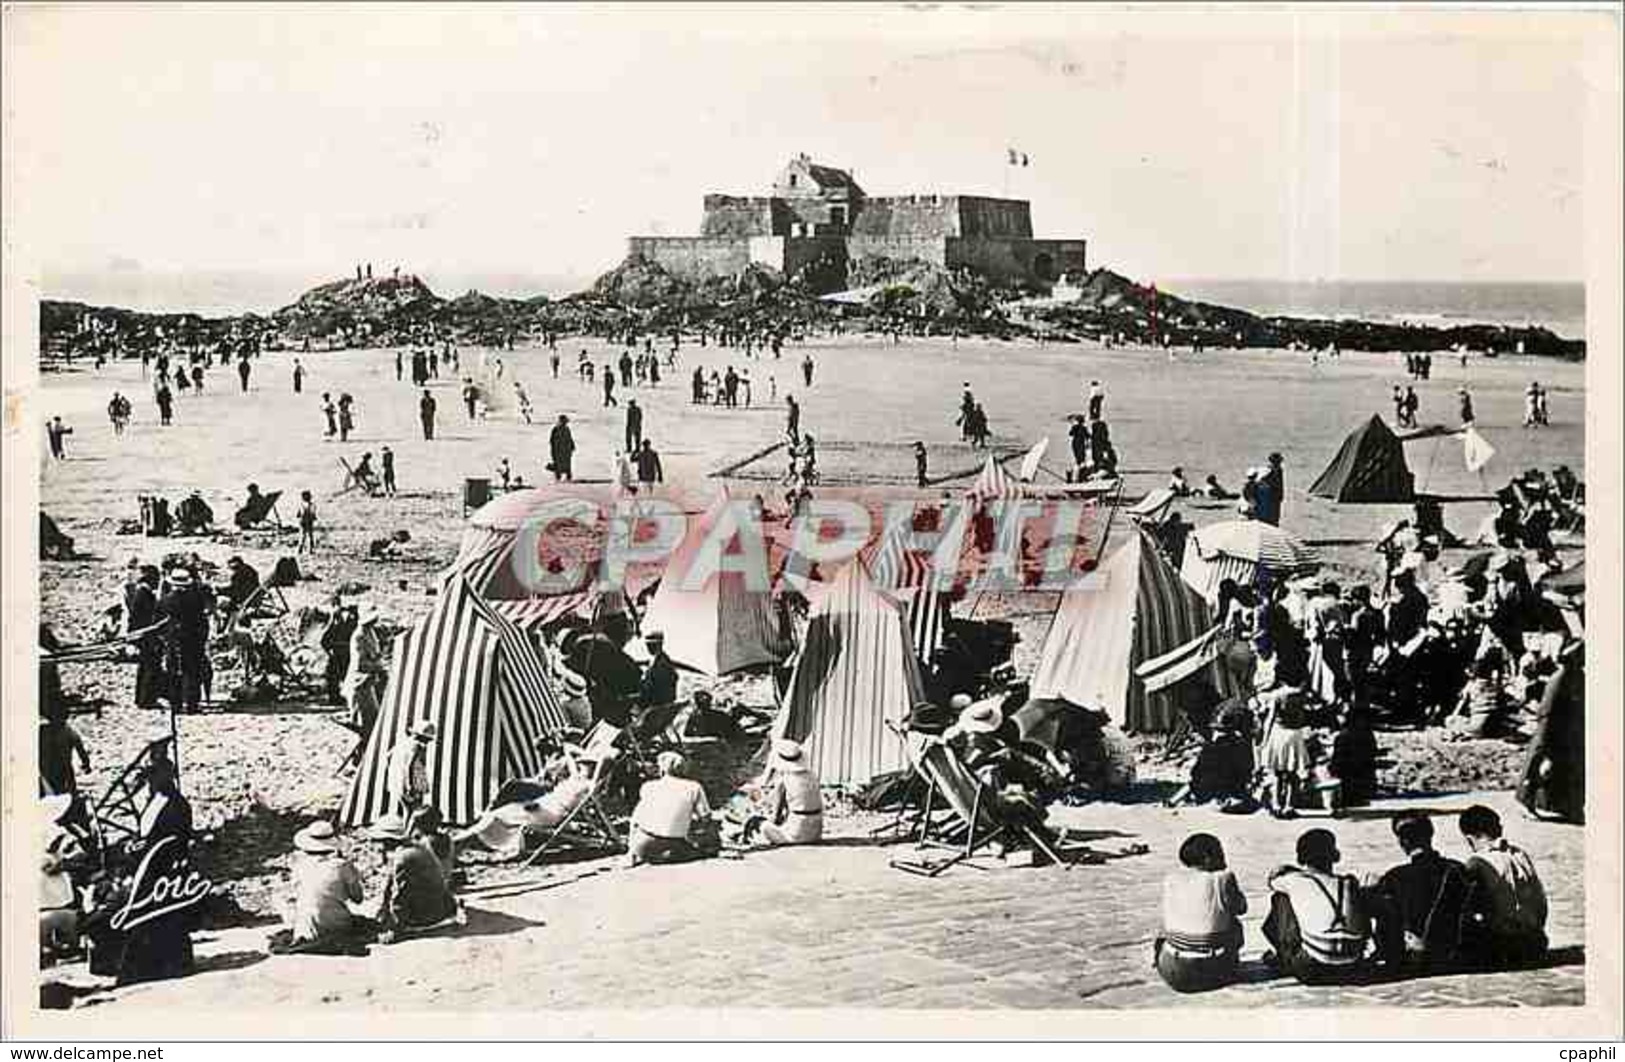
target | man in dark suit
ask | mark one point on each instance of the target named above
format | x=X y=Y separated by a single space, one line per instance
x=561 y=446
x=648 y=461
x=1420 y=901
x=187 y=607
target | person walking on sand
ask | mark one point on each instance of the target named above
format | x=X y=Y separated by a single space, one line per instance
x=331 y=412
x=609 y=386
x=634 y=425
x=471 y=395
x=346 y=416
x=387 y=459
x=561 y=446
x=307 y=523
x=55 y=432
x=400 y=364
x=298 y=377
x=1097 y=400
x=648 y=462
x=792 y=418
x=920 y=478
x=523 y=399
x=243 y=369
x=118 y=411
x=166 y=404
x=553 y=359
x=426 y=406
x=1466 y=407
x=807 y=369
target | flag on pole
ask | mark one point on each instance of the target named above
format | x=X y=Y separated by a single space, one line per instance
x=1476 y=449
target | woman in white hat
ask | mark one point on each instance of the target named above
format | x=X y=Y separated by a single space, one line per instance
x=325 y=885
x=795 y=801
x=407 y=776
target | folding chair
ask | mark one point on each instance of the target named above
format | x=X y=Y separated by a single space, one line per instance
x=259 y=511
x=972 y=825
x=587 y=821
x=366 y=484
x=118 y=813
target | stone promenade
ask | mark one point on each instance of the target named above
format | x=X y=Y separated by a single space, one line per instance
x=836 y=926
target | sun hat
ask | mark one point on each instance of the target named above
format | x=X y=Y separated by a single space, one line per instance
x=927 y=718
x=787 y=757
x=981 y=718
x=425 y=731
x=180 y=577
x=316 y=838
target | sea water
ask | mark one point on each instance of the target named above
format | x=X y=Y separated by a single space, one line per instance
x=1554 y=305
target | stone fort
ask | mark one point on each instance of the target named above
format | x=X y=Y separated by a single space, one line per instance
x=818 y=216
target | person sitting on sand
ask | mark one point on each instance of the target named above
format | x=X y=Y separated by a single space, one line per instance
x=325 y=885
x=541 y=804
x=1223 y=771
x=1200 y=943
x=417 y=894
x=794 y=802
x=1215 y=492
x=668 y=809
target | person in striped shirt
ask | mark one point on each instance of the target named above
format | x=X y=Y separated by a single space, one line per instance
x=1200 y=943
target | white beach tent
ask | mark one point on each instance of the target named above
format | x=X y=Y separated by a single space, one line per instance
x=1241 y=550
x=857 y=670
x=720 y=626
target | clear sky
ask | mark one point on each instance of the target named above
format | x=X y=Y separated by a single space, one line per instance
x=301 y=139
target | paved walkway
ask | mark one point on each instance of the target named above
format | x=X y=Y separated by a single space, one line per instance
x=835 y=926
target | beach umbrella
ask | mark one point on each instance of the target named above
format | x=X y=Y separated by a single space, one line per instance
x=1243 y=550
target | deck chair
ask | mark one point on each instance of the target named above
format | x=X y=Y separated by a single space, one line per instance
x=118 y=813
x=973 y=825
x=259 y=512
x=588 y=822
x=368 y=485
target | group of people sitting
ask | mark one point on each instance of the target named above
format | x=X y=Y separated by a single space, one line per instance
x=672 y=821
x=1429 y=914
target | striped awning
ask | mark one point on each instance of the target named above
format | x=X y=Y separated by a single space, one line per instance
x=1163 y=671
x=480 y=680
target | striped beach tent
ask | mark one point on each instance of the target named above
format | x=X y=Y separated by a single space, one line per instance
x=720 y=626
x=1243 y=550
x=1134 y=608
x=484 y=685
x=907 y=576
x=994 y=484
x=857 y=670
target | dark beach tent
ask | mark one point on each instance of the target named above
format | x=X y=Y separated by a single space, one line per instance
x=1369 y=467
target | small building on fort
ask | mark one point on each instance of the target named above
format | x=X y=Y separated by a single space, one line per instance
x=817 y=221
